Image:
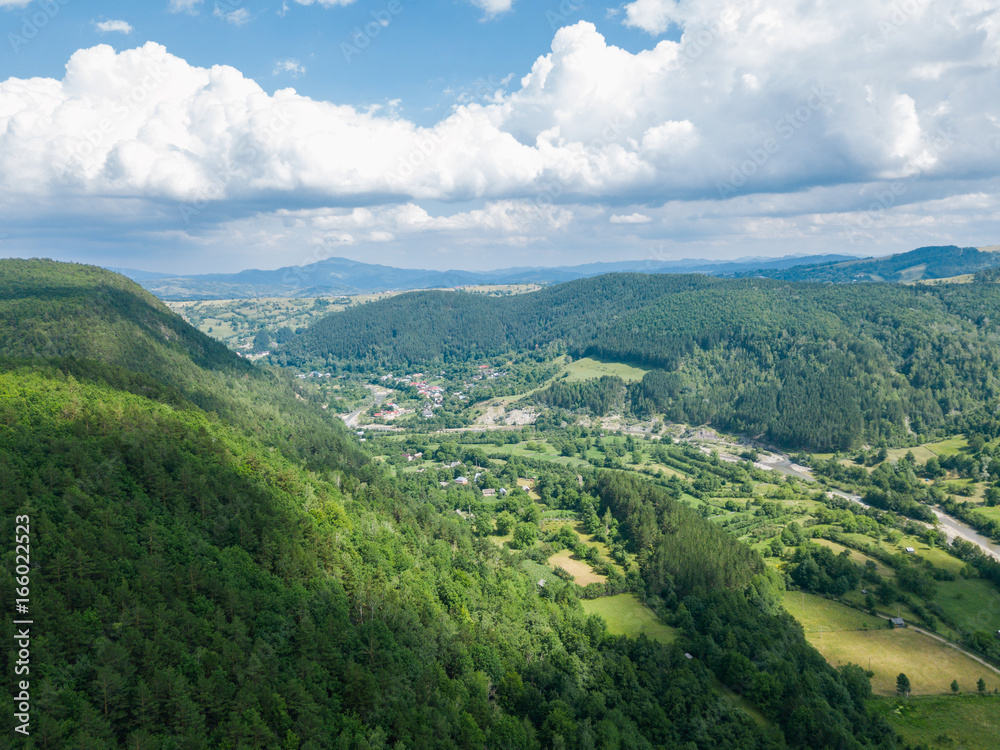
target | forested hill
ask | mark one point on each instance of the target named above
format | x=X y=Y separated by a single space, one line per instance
x=921 y=264
x=813 y=366
x=211 y=565
x=96 y=325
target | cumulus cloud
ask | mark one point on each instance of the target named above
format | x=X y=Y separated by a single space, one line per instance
x=762 y=101
x=122 y=27
x=184 y=6
x=493 y=7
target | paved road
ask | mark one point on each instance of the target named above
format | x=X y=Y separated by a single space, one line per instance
x=352 y=418
x=952 y=527
x=955 y=528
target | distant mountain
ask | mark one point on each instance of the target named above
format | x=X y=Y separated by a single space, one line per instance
x=924 y=263
x=336 y=276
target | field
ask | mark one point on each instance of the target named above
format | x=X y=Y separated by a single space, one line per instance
x=930 y=665
x=973 y=604
x=819 y=615
x=588 y=369
x=962 y=722
x=626 y=615
x=838 y=632
x=582 y=572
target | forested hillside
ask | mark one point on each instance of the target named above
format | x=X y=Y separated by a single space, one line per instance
x=823 y=367
x=920 y=264
x=214 y=565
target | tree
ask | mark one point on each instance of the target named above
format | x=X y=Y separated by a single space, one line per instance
x=505 y=522
x=903 y=684
x=981 y=686
x=525 y=535
x=954 y=686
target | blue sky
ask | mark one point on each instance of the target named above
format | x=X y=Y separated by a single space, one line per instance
x=200 y=136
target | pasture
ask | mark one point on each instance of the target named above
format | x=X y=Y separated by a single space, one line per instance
x=589 y=369
x=955 y=722
x=580 y=570
x=626 y=615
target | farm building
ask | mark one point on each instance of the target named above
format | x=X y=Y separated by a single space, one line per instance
x=897 y=622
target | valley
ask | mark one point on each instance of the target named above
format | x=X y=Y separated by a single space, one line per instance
x=530 y=499
x=468 y=424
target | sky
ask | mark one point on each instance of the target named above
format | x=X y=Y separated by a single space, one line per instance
x=193 y=136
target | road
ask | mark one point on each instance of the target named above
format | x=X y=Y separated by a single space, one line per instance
x=381 y=394
x=953 y=528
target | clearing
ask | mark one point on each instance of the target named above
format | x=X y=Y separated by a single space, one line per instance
x=589 y=369
x=626 y=615
x=580 y=570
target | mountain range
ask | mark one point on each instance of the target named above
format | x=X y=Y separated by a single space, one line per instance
x=341 y=276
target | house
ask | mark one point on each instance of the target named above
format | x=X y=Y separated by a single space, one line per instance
x=489 y=493
x=910 y=551
x=461 y=480
x=688 y=656
x=897 y=622
x=454 y=464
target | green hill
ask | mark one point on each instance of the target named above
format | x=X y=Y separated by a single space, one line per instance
x=213 y=565
x=817 y=366
x=917 y=265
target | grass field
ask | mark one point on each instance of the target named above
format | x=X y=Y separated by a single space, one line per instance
x=930 y=665
x=973 y=603
x=588 y=369
x=626 y=615
x=817 y=614
x=954 y=722
x=838 y=632
x=582 y=572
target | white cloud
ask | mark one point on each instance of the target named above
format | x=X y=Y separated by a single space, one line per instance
x=238 y=17
x=757 y=103
x=291 y=66
x=14 y=3
x=325 y=3
x=654 y=16
x=106 y=27
x=184 y=6
x=635 y=218
x=493 y=7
